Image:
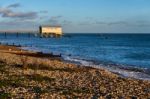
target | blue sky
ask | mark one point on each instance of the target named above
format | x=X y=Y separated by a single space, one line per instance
x=77 y=16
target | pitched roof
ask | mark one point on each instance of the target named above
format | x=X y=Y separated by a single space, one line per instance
x=49 y=26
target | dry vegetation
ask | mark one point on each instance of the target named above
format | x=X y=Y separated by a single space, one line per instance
x=29 y=77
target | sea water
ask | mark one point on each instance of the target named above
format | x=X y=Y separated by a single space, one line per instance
x=124 y=54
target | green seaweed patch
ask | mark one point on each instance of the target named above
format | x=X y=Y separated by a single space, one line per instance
x=2 y=66
x=62 y=69
x=68 y=90
x=37 y=89
x=46 y=67
x=4 y=95
x=75 y=90
x=39 y=78
x=3 y=70
x=3 y=83
x=13 y=81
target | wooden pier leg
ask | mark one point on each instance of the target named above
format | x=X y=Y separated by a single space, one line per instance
x=17 y=35
x=29 y=35
x=5 y=35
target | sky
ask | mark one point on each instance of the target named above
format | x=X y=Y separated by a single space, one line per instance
x=76 y=16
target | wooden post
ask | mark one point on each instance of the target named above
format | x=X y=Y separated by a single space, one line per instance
x=17 y=34
x=5 y=35
x=29 y=35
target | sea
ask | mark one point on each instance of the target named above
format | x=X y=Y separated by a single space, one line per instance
x=127 y=55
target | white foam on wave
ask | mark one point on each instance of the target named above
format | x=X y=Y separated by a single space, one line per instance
x=76 y=60
x=130 y=74
x=30 y=48
x=114 y=69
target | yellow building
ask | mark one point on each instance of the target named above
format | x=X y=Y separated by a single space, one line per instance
x=50 y=31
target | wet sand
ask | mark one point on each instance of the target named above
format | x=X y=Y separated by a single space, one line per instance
x=26 y=74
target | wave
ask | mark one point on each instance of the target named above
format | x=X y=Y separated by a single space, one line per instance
x=122 y=70
x=121 y=49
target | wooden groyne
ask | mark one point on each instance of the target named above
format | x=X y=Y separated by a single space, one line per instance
x=23 y=52
x=7 y=35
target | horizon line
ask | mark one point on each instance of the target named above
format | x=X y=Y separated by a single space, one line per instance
x=78 y=32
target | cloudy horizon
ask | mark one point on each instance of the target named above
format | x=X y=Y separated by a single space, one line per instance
x=76 y=16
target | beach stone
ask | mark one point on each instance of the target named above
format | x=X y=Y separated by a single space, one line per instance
x=108 y=96
x=133 y=97
x=81 y=82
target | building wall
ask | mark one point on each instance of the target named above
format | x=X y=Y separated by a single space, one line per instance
x=54 y=30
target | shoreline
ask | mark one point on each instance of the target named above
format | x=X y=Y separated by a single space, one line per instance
x=137 y=73
x=134 y=71
x=57 y=78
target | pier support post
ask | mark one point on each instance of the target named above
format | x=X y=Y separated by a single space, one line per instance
x=17 y=34
x=5 y=35
x=29 y=35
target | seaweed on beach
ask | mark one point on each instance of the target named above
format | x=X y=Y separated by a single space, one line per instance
x=4 y=95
